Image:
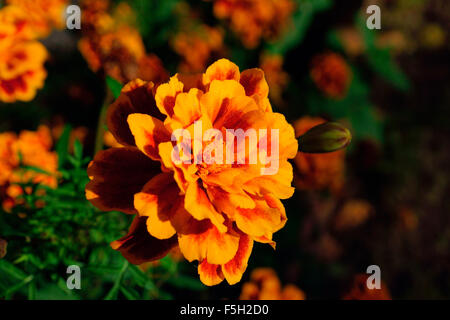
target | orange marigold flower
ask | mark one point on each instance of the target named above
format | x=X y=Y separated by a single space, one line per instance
x=331 y=74
x=21 y=71
x=34 y=148
x=21 y=59
x=318 y=171
x=213 y=212
x=14 y=26
x=43 y=14
x=253 y=20
x=277 y=78
x=265 y=285
x=114 y=46
x=197 y=46
x=360 y=291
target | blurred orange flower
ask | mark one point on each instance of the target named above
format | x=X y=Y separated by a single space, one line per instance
x=213 y=212
x=277 y=78
x=114 y=46
x=331 y=74
x=265 y=285
x=43 y=14
x=318 y=171
x=253 y=20
x=22 y=59
x=29 y=148
x=360 y=291
x=197 y=46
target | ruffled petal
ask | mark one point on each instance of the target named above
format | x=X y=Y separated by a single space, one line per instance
x=210 y=274
x=234 y=269
x=202 y=241
x=278 y=184
x=148 y=133
x=227 y=202
x=139 y=247
x=222 y=69
x=217 y=99
x=116 y=175
x=254 y=82
x=264 y=219
x=161 y=202
x=135 y=97
x=187 y=107
x=166 y=95
x=200 y=207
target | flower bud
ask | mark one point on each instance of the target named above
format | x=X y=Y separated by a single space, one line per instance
x=326 y=137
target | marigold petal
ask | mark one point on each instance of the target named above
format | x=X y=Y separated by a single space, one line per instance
x=148 y=133
x=201 y=240
x=278 y=184
x=116 y=175
x=166 y=95
x=254 y=82
x=222 y=69
x=262 y=220
x=160 y=201
x=210 y=274
x=217 y=99
x=187 y=107
x=200 y=207
x=135 y=97
x=227 y=202
x=139 y=247
x=234 y=269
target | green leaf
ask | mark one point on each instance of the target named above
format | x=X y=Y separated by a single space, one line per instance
x=78 y=150
x=62 y=146
x=128 y=294
x=114 y=85
x=112 y=294
x=7 y=294
x=380 y=59
x=7 y=269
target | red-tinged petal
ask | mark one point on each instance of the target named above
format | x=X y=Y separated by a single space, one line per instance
x=210 y=274
x=116 y=175
x=135 y=97
x=217 y=99
x=227 y=202
x=254 y=83
x=222 y=69
x=279 y=184
x=148 y=133
x=234 y=269
x=201 y=240
x=166 y=95
x=161 y=202
x=200 y=207
x=192 y=81
x=139 y=247
x=187 y=107
x=260 y=221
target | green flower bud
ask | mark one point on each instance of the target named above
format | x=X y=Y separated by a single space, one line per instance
x=326 y=137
